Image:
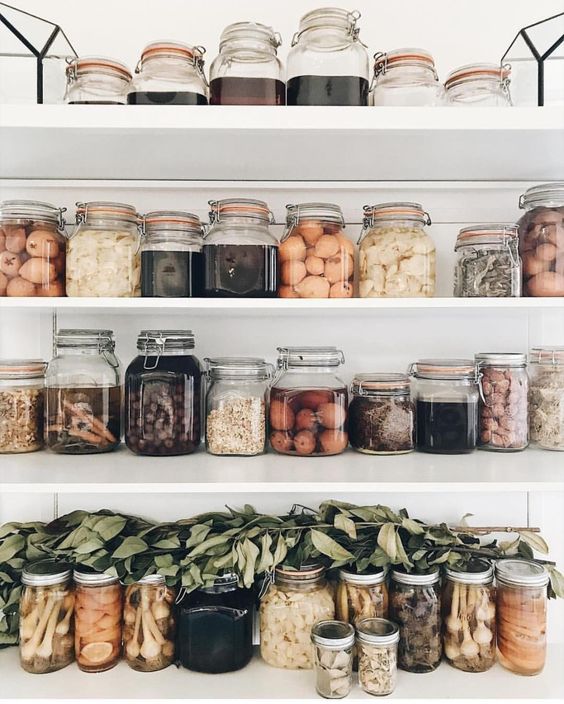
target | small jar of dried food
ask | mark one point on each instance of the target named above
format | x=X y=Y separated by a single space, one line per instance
x=95 y=80
x=406 y=77
x=333 y=643
x=22 y=395
x=361 y=596
x=478 y=85
x=377 y=643
x=46 y=617
x=396 y=255
x=546 y=397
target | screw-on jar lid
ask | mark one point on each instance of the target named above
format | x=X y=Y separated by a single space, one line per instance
x=153 y=342
x=333 y=635
x=172 y=221
x=375 y=384
x=33 y=210
x=550 y=356
x=45 y=573
x=477 y=72
x=171 y=49
x=239 y=208
x=501 y=359
x=97 y=64
x=105 y=210
x=22 y=368
x=309 y=357
x=377 y=631
x=296 y=212
x=521 y=573
x=396 y=210
x=383 y=61
x=475 y=571
x=252 y=368
x=306 y=573
x=547 y=195
x=251 y=31
x=76 y=337
x=443 y=369
x=485 y=234
x=152 y=580
x=89 y=577
x=416 y=578
x=366 y=579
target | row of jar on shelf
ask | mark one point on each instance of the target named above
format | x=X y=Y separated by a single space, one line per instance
x=114 y=251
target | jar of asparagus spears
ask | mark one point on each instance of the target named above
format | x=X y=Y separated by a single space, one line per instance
x=362 y=596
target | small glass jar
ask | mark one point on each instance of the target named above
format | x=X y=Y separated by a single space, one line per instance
x=32 y=249
x=488 y=263
x=239 y=250
x=97 y=620
x=521 y=615
x=415 y=605
x=546 y=397
x=478 y=85
x=315 y=257
x=83 y=402
x=381 y=414
x=169 y=73
x=333 y=643
x=377 y=643
x=94 y=80
x=308 y=403
x=172 y=263
x=541 y=233
x=446 y=405
x=22 y=397
x=361 y=596
x=503 y=410
x=328 y=64
x=296 y=601
x=162 y=395
x=396 y=255
x=149 y=624
x=406 y=77
x=46 y=617
x=247 y=70
x=103 y=252
x=468 y=604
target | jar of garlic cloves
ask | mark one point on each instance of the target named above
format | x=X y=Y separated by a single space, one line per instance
x=361 y=596
x=333 y=643
x=377 y=641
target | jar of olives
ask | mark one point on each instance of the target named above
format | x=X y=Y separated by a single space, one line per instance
x=406 y=77
x=95 y=80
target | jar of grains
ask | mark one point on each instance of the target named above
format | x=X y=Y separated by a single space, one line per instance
x=363 y=595
x=333 y=643
x=22 y=396
x=406 y=77
x=377 y=643
x=546 y=397
x=478 y=85
x=94 y=80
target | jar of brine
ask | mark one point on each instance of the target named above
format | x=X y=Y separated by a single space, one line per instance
x=95 y=80
x=478 y=85
x=333 y=643
x=377 y=643
x=406 y=77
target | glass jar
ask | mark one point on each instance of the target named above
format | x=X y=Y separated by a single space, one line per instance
x=446 y=405
x=328 y=64
x=169 y=73
x=149 y=624
x=361 y=596
x=488 y=263
x=546 y=397
x=381 y=414
x=503 y=409
x=236 y=405
x=396 y=255
x=468 y=605
x=478 y=85
x=46 y=611
x=172 y=263
x=32 y=249
x=83 y=402
x=333 y=643
x=308 y=403
x=541 y=233
x=103 y=252
x=406 y=77
x=315 y=257
x=94 y=80
x=521 y=615
x=377 y=643
x=22 y=397
x=415 y=605
x=162 y=395
x=215 y=630
x=247 y=70
x=239 y=250
x=97 y=620
x=296 y=601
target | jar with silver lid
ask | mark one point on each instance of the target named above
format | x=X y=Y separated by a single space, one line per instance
x=95 y=80
x=406 y=77
x=22 y=401
x=478 y=85
x=546 y=397
x=361 y=595
x=333 y=643
x=377 y=643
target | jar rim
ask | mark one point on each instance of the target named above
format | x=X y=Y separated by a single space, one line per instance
x=501 y=359
x=329 y=17
x=476 y=72
x=82 y=337
x=550 y=195
x=364 y=578
x=306 y=573
x=525 y=573
x=151 y=580
x=46 y=573
x=175 y=220
x=106 y=210
x=476 y=571
x=485 y=234
x=239 y=208
x=377 y=631
x=333 y=634
x=238 y=368
x=98 y=64
x=296 y=212
x=397 y=210
x=252 y=31
x=310 y=356
x=547 y=355
x=416 y=578
x=32 y=209
x=409 y=56
x=172 y=49
x=88 y=576
x=22 y=368
x=444 y=368
x=160 y=340
x=365 y=384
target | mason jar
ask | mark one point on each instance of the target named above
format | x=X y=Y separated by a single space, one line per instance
x=361 y=595
x=478 y=85
x=95 y=80
x=406 y=77
x=377 y=643
x=546 y=397
x=22 y=400
x=333 y=643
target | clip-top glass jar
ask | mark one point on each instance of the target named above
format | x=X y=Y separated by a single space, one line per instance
x=328 y=64
x=406 y=77
x=21 y=405
x=546 y=397
x=478 y=85
x=95 y=80
x=377 y=642
x=169 y=73
x=333 y=643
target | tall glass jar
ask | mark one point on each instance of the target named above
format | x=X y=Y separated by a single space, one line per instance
x=377 y=642
x=22 y=397
x=546 y=397
x=396 y=255
x=328 y=64
x=521 y=615
x=169 y=73
x=406 y=77
x=316 y=258
x=291 y=607
x=95 y=80
x=361 y=596
x=308 y=403
x=46 y=617
x=478 y=85
x=103 y=252
x=247 y=70
x=162 y=395
x=83 y=402
x=333 y=643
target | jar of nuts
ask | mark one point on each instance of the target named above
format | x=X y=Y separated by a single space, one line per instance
x=21 y=405
x=377 y=642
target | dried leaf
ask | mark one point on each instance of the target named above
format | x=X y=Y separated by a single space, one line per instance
x=327 y=546
x=130 y=546
x=387 y=540
x=345 y=524
x=535 y=541
x=412 y=526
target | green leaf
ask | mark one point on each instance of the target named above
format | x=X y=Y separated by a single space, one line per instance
x=556 y=581
x=169 y=571
x=387 y=540
x=11 y=546
x=205 y=546
x=130 y=546
x=401 y=554
x=442 y=558
x=110 y=526
x=163 y=561
x=167 y=544
x=251 y=552
x=412 y=526
x=345 y=524
x=525 y=550
x=89 y=546
x=327 y=546
x=534 y=540
x=266 y=557
x=280 y=552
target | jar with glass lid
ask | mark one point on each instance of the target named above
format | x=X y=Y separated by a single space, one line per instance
x=308 y=402
x=247 y=70
x=22 y=400
x=83 y=400
x=169 y=73
x=103 y=252
x=362 y=595
x=333 y=643
x=546 y=397
x=406 y=77
x=377 y=643
x=96 y=80
x=328 y=64
x=478 y=85
x=396 y=255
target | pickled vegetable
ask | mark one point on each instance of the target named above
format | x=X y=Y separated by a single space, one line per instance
x=98 y=627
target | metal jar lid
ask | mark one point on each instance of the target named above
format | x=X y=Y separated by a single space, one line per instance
x=239 y=208
x=475 y=571
x=365 y=579
x=395 y=210
x=155 y=342
x=376 y=384
x=330 y=212
x=377 y=631
x=501 y=359
x=152 y=580
x=416 y=579
x=521 y=573
x=309 y=357
x=443 y=369
x=250 y=368
x=486 y=234
x=22 y=368
x=306 y=573
x=172 y=221
x=88 y=577
x=32 y=210
x=45 y=573
x=547 y=195
x=333 y=635
x=106 y=210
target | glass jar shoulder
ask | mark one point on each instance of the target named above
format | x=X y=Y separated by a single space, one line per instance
x=150 y=365
x=246 y=64
x=81 y=370
x=445 y=389
x=328 y=58
x=308 y=379
x=240 y=233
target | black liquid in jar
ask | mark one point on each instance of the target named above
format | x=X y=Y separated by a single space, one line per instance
x=446 y=427
x=94 y=102
x=172 y=274
x=247 y=91
x=327 y=90
x=168 y=97
x=246 y=270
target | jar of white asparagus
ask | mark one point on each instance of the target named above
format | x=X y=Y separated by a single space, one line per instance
x=377 y=642
x=362 y=596
x=333 y=658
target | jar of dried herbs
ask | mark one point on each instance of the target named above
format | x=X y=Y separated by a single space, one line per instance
x=333 y=658
x=546 y=397
x=21 y=405
x=377 y=643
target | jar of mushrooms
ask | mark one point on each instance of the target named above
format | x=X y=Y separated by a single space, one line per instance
x=333 y=658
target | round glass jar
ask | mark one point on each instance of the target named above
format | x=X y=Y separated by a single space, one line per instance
x=296 y=601
x=103 y=251
x=239 y=250
x=406 y=77
x=46 y=611
x=32 y=249
x=95 y=80
x=315 y=257
x=521 y=615
x=169 y=73
x=541 y=233
x=22 y=398
x=361 y=596
x=333 y=643
x=478 y=85
x=396 y=255
x=247 y=70
x=377 y=643
x=83 y=400
x=546 y=397
x=172 y=263
x=327 y=64
x=162 y=395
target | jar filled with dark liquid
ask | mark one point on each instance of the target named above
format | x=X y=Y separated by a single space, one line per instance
x=94 y=80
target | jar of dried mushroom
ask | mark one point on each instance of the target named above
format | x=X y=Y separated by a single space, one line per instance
x=377 y=642
x=46 y=617
x=21 y=404
x=381 y=414
x=333 y=657
x=363 y=595
x=546 y=397
x=296 y=601
x=468 y=605
x=396 y=256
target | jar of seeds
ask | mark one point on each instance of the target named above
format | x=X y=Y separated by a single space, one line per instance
x=377 y=642
x=333 y=644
